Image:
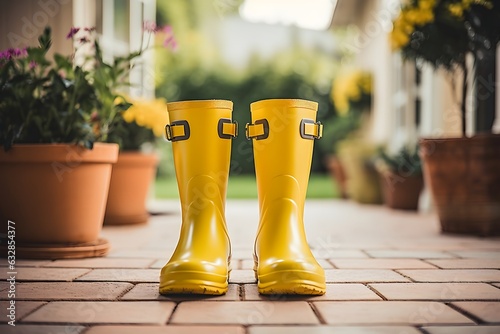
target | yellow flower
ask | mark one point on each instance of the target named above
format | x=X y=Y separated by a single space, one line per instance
x=128 y=116
x=349 y=87
x=411 y=16
x=426 y=4
x=399 y=39
x=151 y=114
x=456 y=10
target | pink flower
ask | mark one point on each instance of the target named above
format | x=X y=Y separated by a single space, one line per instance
x=169 y=38
x=170 y=42
x=5 y=55
x=32 y=64
x=72 y=32
x=150 y=26
x=11 y=53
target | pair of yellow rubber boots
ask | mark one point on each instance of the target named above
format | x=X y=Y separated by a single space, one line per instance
x=283 y=132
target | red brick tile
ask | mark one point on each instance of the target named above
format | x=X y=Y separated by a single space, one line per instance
x=244 y=313
x=241 y=254
x=325 y=264
x=171 y=329
x=31 y=263
x=389 y=312
x=140 y=254
x=4 y=285
x=453 y=275
x=158 y=264
x=152 y=312
x=41 y=329
x=150 y=292
x=71 y=290
x=467 y=263
x=22 y=308
x=242 y=276
x=477 y=254
x=437 y=291
x=45 y=274
x=462 y=329
x=102 y=262
x=333 y=253
x=246 y=264
x=486 y=311
x=362 y=276
x=123 y=275
x=413 y=254
x=333 y=292
x=381 y=264
x=333 y=329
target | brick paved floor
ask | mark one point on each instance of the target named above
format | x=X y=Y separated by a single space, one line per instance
x=388 y=272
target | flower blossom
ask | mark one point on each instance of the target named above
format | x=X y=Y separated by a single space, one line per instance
x=72 y=32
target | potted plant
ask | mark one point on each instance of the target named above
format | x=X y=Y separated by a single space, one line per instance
x=351 y=162
x=336 y=130
x=463 y=173
x=54 y=166
x=131 y=129
x=139 y=126
x=400 y=178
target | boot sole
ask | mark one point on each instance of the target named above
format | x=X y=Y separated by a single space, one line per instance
x=279 y=283
x=184 y=283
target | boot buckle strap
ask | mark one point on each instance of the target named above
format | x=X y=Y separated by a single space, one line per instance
x=178 y=130
x=259 y=130
x=310 y=129
x=227 y=129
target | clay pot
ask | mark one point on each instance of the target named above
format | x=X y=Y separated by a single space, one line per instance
x=464 y=177
x=56 y=195
x=338 y=173
x=130 y=180
x=401 y=192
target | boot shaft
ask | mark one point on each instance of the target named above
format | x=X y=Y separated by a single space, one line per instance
x=201 y=133
x=283 y=133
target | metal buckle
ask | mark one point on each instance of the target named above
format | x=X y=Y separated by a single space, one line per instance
x=305 y=135
x=220 y=128
x=265 y=127
x=170 y=133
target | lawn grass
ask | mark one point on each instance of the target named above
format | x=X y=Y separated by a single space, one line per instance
x=244 y=186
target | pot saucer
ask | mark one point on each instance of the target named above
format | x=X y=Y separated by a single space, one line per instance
x=98 y=248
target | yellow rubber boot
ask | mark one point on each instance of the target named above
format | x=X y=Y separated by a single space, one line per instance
x=201 y=133
x=283 y=133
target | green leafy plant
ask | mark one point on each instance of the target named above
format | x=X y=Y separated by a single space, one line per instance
x=443 y=32
x=131 y=126
x=337 y=129
x=62 y=100
x=44 y=101
x=406 y=162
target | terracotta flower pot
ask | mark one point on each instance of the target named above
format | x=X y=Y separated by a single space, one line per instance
x=401 y=192
x=464 y=177
x=56 y=196
x=130 y=180
x=337 y=172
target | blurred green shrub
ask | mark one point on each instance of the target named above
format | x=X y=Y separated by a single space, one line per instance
x=262 y=81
